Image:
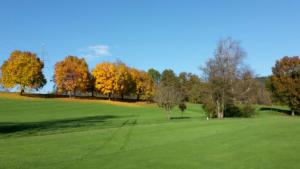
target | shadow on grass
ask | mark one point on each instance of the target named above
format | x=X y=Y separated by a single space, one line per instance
x=276 y=110
x=178 y=118
x=7 y=128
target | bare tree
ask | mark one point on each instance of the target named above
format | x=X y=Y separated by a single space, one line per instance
x=167 y=97
x=226 y=77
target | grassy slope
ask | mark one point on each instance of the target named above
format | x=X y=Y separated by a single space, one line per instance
x=40 y=133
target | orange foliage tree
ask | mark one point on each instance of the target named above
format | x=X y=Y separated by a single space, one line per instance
x=71 y=74
x=285 y=82
x=23 y=69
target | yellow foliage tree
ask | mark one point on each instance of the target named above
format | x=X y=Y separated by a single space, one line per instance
x=104 y=76
x=23 y=69
x=112 y=78
x=119 y=79
x=144 y=85
x=71 y=74
x=123 y=80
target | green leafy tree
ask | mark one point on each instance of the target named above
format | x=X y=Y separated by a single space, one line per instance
x=190 y=87
x=182 y=107
x=155 y=75
x=167 y=94
x=23 y=69
x=169 y=78
x=91 y=84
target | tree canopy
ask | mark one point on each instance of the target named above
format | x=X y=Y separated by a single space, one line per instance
x=155 y=75
x=285 y=81
x=227 y=79
x=71 y=74
x=23 y=69
x=167 y=93
x=119 y=79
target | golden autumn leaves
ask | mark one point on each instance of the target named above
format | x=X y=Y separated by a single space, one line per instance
x=71 y=75
x=107 y=78
x=118 y=79
x=23 y=69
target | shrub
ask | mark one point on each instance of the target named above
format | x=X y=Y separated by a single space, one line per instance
x=210 y=108
x=182 y=107
x=248 y=110
x=232 y=111
x=242 y=111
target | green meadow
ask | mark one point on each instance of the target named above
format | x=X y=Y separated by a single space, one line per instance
x=61 y=134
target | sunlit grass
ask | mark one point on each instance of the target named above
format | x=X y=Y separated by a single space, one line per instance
x=54 y=133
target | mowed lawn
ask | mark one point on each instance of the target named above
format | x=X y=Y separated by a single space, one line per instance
x=57 y=133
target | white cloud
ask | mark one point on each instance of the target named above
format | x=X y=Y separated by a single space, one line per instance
x=97 y=51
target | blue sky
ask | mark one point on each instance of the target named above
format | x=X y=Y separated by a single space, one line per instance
x=180 y=35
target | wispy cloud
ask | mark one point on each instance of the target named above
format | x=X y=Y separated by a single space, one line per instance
x=97 y=51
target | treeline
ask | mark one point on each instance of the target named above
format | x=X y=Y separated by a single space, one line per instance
x=227 y=87
x=111 y=79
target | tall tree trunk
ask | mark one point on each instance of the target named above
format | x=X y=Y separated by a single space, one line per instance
x=169 y=114
x=109 y=96
x=122 y=96
x=70 y=94
x=137 y=97
x=22 y=91
x=92 y=93
x=293 y=112
x=222 y=110
x=218 y=109
x=222 y=106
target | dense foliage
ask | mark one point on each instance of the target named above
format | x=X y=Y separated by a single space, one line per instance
x=285 y=82
x=119 y=79
x=23 y=69
x=71 y=74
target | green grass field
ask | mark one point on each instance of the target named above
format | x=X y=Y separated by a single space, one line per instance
x=54 y=133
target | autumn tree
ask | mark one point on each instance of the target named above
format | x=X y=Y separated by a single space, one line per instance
x=71 y=74
x=227 y=79
x=123 y=80
x=23 y=69
x=104 y=74
x=285 y=82
x=143 y=84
